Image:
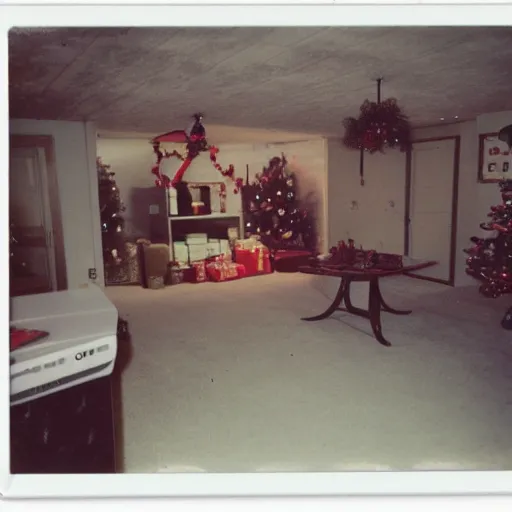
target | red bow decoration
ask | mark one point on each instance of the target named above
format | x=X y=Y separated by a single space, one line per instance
x=196 y=144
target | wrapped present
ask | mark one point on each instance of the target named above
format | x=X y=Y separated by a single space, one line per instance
x=181 y=253
x=290 y=261
x=196 y=238
x=175 y=274
x=225 y=248
x=255 y=260
x=197 y=252
x=196 y=273
x=156 y=282
x=222 y=269
x=128 y=271
x=213 y=248
x=248 y=243
x=240 y=269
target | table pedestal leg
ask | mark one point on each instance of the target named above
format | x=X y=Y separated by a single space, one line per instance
x=376 y=304
x=333 y=307
x=349 y=307
x=374 y=308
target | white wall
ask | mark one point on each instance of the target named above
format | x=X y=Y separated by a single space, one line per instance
x=475 y=199
x=373 y=214
x=75 y=151
x=132 y=159
x=375 y=223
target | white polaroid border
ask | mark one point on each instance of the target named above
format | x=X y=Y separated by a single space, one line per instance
x=403 y=12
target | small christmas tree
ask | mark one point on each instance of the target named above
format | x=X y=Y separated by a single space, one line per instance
x=271 y=209
x=112 y=223
x=490 y=259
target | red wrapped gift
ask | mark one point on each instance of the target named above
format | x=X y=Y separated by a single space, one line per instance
x=256 y=260
x=290 y=261
x=222 y=269
x=196 y=273
x=240 y=270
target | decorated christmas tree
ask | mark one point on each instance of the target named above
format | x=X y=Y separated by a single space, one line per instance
x=490 y=258
x=112 y=222
x=271 y=209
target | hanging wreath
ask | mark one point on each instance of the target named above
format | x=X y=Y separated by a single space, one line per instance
x=195 y=139
x=380 y=125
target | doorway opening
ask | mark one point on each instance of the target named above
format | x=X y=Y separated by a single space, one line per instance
x=431 y=202
x=37 y=261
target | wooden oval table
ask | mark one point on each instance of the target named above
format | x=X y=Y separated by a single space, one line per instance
x=376 y=303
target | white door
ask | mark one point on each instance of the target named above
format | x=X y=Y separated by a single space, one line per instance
x=34 y=269
x=432 y=171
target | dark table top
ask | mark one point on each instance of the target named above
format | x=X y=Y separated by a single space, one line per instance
x=360 y=274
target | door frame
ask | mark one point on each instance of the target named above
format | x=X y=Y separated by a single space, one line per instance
x=455 y=206
x=46 y=143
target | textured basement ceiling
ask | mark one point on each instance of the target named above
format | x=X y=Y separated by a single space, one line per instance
x=289 y=79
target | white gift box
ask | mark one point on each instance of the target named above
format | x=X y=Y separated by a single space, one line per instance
x=213 y=248
x=224 y=247
x=197 y=252
x=196 y=238
x=181 y=253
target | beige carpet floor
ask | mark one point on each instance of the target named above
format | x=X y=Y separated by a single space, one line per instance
x=225 y=377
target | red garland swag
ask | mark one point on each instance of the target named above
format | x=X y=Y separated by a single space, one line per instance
x=196 y=144
x=379 y=125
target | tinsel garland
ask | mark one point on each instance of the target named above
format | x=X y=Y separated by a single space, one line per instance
x=227 y=173
x=196 y=143
x=379 y=125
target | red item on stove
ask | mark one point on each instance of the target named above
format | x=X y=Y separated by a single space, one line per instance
x=21 y=337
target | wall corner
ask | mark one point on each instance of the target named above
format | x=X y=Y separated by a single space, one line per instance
x=90 y=144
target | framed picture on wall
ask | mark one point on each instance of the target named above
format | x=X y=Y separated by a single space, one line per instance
x=494 y=159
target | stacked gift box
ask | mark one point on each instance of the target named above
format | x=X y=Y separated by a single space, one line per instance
x=222 y=268
x=199 y=259
x=253 y=255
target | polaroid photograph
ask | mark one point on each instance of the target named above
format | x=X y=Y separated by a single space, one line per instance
x=294 y=367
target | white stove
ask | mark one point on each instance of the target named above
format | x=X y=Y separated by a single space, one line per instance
x=81 y=347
